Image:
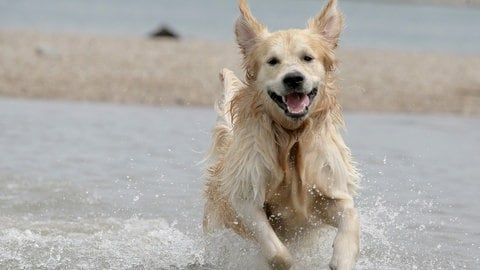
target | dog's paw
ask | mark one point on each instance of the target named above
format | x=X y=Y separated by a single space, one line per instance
x=341 y=265
x=281 y=261
x=345 y=252
x=337 y=263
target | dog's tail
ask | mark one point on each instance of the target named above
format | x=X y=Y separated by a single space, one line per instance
x=231 y=84
x=222 y=132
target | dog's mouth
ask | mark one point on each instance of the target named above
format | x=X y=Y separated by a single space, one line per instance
x=296 y=104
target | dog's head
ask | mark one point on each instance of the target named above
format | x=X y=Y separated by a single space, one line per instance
x=289 y=67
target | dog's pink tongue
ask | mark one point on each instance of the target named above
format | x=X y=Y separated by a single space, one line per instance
x=296 y=102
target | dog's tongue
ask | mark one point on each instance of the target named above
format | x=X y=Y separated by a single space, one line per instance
x=297 y=102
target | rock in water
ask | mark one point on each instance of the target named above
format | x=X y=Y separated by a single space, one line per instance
x=164 y=32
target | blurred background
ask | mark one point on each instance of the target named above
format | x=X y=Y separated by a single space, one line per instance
x=85 y=48
x=417 y=26
x=106 y=111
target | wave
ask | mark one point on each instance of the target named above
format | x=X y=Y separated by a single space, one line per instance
x=98 y=244
x=39 y=230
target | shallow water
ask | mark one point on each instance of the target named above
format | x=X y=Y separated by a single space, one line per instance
x=92 y=186
x=369 y=24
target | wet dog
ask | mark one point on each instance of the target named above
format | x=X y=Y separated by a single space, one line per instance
x=278 y=164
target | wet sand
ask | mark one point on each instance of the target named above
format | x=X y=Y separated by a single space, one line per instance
x=172 y=72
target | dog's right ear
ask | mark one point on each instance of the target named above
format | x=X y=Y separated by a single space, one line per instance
x=247 y=29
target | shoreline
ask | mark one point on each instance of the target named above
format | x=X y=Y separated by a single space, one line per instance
x=165 y=72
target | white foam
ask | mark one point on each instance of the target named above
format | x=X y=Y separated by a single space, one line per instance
x=98 y=244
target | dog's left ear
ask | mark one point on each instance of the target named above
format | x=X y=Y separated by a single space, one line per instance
x=329 y=24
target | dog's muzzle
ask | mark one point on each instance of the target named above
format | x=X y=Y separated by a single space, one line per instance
x=296 y=100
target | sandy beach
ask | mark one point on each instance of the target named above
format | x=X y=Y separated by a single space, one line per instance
x=185 y=72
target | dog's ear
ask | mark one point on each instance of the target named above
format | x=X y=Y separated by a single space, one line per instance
x=247 y=29
x=329 y=24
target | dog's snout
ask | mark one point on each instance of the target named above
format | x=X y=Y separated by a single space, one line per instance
x=293 y=80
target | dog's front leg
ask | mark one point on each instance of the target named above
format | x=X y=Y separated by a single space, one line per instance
x=344 y=216
x=254 y=218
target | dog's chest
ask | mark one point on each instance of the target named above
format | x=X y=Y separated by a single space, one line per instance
x=291 y=202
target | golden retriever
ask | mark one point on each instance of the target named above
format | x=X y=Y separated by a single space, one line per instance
x=278 y=164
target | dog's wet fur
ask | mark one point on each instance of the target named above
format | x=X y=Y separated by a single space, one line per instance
x=278 y=164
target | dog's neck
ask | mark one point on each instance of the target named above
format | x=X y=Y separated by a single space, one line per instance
x=297 y=129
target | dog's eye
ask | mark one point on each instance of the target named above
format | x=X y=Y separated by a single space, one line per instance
x=273 y=61
x=307 y=58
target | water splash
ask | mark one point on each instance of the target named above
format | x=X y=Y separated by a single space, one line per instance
x=390 y=239
x=98 y=244
x=226 y=250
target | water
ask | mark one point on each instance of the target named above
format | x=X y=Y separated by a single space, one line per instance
x=369 y=24
x=99 y=186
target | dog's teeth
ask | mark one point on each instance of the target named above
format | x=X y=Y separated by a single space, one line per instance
x=284 y=99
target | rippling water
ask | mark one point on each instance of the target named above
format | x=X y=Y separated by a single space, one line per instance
x=92 y=186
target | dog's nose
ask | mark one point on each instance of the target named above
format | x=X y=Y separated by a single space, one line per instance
x=293 y=80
